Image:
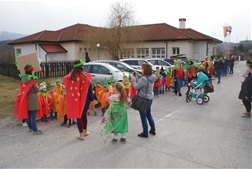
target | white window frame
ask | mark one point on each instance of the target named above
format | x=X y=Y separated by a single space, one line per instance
x=175 y=50
x=158 y=52
x=142 y=52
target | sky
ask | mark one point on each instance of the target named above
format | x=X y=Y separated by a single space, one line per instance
x=207 y=17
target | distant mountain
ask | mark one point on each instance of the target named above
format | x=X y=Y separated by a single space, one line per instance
x=10 y=36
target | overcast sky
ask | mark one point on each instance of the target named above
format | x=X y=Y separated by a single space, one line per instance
x=208 y=17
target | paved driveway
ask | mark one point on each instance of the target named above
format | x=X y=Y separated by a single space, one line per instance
x=189 y=135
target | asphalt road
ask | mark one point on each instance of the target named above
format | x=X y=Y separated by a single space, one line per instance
x=212 y=135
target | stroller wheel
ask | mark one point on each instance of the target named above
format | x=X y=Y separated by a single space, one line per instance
x=206 y=98
x=200 y=101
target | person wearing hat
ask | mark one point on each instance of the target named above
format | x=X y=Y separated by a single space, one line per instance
x=52 y=101
x=127 y=86
x=112 y=81
x=44 y=109
x=189 y=73
x=179 y=74
x=27 y=104
x=78 y=96
x=102 y=97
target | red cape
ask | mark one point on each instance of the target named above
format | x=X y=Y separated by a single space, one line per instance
x=21 y=106
x=43 y=106
x=76 y=94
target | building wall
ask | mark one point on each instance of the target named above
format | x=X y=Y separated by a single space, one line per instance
x=25 y=48
x=76 y=50
x=199 y=51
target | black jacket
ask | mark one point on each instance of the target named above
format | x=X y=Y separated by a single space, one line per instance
x=246 y=88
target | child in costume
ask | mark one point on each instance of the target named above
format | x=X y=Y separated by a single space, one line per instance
x=112 y=81
x=127 y=86
x=102 y=97
x=58 y=93
x=168 y=79
x=189 y=73
x=92 y=104
x=163 y=77
x=157 y=84
x=44 y=109
x=97 y=88
x=115 y=119
x=52 y=101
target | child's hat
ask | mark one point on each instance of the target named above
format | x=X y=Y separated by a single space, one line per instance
x=42 y=85
x=96 y=81
x=112 y=77
x=58 y=80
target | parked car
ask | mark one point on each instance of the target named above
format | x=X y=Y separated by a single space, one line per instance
x=124 y=67
x=102 y=71
x=137 y=63
x=159 y=62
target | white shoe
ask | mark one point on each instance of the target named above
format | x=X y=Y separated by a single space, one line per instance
x=241 y=103
x=25 y=124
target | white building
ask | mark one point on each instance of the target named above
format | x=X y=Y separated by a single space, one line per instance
x=159 y=41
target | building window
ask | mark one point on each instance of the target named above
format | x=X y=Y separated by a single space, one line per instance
x=18 y=52
x=158 y=52
x=175 y=51
x=143 y=52
x=128 y=53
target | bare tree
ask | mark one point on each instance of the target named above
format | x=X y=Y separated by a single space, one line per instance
x=118 y=31
x=120 y=21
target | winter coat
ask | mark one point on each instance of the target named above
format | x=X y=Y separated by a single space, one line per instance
x=141 y=86
x=32 y=97
x=246 y=88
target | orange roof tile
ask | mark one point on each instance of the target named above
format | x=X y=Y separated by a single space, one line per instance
x=81 y=32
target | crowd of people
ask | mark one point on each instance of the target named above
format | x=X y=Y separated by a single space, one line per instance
x=73 y=98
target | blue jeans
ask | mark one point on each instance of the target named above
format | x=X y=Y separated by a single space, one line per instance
x=147 y=116
x=31 y=120
x=219 y=75
x=179 y=82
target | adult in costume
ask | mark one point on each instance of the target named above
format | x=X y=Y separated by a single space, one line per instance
x=27 y=103
x=78 y=96
x=145 y=89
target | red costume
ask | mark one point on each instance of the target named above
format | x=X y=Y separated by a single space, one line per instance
x=21 y=106
x=76 y=93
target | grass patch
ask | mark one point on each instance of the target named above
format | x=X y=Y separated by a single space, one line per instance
x=8 y=93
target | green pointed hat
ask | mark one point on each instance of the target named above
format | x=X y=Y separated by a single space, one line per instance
x=106 y=82
x=59 y=80
x=96 y=81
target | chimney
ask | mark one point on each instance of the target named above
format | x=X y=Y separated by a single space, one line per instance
x=182 y=22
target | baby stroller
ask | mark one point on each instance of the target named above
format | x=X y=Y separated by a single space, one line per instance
x=199 y=89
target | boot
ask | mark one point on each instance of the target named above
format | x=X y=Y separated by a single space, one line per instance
x=81 y=137
x=86 y=133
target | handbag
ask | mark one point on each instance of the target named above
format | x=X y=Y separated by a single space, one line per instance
x=140 y=103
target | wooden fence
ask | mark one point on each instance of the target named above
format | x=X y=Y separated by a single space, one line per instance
x=50 y=69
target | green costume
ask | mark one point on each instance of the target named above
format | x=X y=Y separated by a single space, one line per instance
x=115 y=120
